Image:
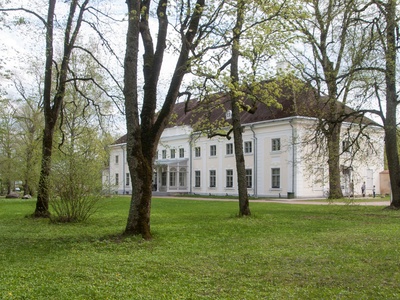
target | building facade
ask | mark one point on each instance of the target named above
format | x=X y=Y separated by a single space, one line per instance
x=279 y=163
x=283 y=156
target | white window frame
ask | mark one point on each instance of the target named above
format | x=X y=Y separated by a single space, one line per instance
x=213 y=178
x=182 y=177
x=276 y=145
x=172 y=177
x=164 y=176
x=275 y=178
x=197 y=152
x=116 y=179
x=213 y=150
x=229 y=178
x=249 y=178
x=248 y=147
x=197 y=178
x=229 y=149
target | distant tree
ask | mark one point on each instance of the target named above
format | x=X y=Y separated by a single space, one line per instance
x=58 y=72
x=9 y=163
x=29 y=116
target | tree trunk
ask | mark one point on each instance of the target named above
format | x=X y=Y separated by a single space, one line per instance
x=52 y=108
x=42 y=203
x=335 y=190
x=244 y=209
x=332 y=134
x=141 y=171
x=390 y=124
x=143 y=135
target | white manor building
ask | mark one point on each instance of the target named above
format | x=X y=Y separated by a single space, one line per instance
x=282 y=156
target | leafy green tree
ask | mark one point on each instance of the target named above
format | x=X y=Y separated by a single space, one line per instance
x=248 y=36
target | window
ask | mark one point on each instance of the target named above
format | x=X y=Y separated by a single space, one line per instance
x=164 y=178
x=197 y=152
x=213 y=178
x=213 y=150
x=276 y=178
x=172 y=153
x=116 y=159
x=276 y=144
x=182 y=177
x=346 y=146
x=249 y=178
x=181 y=152
x=248 y=147
x=164 y=154
x=172 y=177
x=197 y=179
x=127 y=179
x=116 y=179
x=229 y=149
x=229 y=178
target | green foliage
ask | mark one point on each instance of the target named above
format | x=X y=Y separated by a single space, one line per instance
x=201 y=250
x=75 y=191
x=75 y=183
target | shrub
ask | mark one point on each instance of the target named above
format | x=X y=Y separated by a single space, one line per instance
x=75 y=191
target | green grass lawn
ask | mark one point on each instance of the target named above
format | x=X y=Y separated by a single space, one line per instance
x=201 y=250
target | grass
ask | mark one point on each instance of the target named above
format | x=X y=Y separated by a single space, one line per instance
x=201 y=250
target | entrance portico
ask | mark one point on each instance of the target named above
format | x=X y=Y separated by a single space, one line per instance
x=171 y=175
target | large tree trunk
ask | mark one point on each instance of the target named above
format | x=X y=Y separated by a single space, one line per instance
x=390 y=124
x=332 y=133
x=42 y=203
x=335 y=190
x=144 y=134
x=141 y=171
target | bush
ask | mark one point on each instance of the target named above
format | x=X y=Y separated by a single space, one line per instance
x=75 y=191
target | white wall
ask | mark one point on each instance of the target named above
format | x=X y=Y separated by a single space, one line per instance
x=303 y=171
